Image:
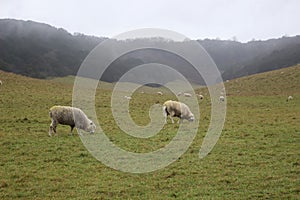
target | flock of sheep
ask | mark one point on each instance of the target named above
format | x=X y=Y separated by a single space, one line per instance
x=74 y=117
x=178 y=94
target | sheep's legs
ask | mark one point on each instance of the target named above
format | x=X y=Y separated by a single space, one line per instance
x=165 y=114
x=52 y=128
x=165 y=120
x=172 y=119
x=72 y=127
x=79 y=132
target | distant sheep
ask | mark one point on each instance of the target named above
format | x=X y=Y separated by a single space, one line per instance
x=222 y=98
x=177 y=109
x=159 y=93
x=128 y=98
x=289 y=98
x=66 y=115
x=187 y=94
x=0 y=82
x=179 y=94
x=200 y=96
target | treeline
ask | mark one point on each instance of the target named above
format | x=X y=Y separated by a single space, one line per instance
x=40 y=50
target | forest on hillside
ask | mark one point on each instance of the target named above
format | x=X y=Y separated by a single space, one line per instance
x=40 y=50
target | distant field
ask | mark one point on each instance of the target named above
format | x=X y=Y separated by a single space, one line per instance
x=256 y=157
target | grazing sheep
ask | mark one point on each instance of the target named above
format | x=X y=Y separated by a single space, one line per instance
x=177 y=109
x=0 y=82
x=67 y=115
x=160 y=93
x=200 y=96
x=187 y=94
x=128 y=98
x=289 y=98
x=179 y=94
x=222 y=98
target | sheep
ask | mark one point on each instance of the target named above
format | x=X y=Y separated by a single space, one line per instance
x=222 y=98
x=200 y=96
x=289 y=98
x=127 y=97
x=177 y=109
x=187 y=94
x=67 y=115
x=179 y=94
x=0 y=82
x=159 y=93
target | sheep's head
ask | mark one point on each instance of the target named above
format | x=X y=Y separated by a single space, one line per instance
x=191 y=117
x=91 y=127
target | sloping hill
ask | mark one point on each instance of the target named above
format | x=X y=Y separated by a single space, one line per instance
x=40 y=50
x=274 y=54
x=282 y=82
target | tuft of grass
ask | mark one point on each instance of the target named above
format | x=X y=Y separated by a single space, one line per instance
x=256 y=157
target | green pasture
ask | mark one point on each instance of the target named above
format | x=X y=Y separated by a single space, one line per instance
x=256 y=157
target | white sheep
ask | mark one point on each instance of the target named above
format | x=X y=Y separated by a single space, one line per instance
x=127 y=97
x=177 y=109
x=0 y=82
x=289 y=98
x=200 y=96
x=74 y=117
x=187 y=94
x=179 y=94
x=222 y=98
x=159 y=93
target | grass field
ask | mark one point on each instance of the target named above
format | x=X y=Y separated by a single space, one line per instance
x=256 y=157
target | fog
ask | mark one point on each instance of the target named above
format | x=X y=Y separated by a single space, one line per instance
x=242 y=20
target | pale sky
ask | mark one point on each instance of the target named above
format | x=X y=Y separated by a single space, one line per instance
x=196 y=19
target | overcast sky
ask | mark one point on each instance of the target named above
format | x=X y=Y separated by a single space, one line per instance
x=196 y=19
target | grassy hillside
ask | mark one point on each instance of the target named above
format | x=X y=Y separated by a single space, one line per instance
x=282 y=82
x=257 y=155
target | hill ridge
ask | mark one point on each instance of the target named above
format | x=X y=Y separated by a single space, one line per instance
x=40 y=50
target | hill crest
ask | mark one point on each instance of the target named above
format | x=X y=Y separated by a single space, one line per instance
x=40 y=50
